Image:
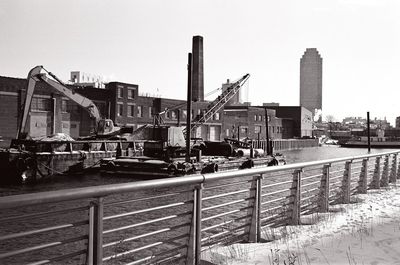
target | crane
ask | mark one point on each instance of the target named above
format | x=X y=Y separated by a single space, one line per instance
x=103 y=126
x=212 y=108
x=218 y=103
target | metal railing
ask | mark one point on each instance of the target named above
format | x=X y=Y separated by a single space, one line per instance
x=173 y=220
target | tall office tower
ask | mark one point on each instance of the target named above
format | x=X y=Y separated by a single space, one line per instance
x=197 y=74
x=311 y=80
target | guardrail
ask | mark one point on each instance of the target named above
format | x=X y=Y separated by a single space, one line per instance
x=173 y=220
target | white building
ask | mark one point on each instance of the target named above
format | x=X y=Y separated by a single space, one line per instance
x=85 y=79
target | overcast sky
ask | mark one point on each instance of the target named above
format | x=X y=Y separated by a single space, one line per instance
x=146 y=43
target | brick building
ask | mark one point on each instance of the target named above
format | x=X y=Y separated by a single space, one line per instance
x=300 y=116
x=249 y=122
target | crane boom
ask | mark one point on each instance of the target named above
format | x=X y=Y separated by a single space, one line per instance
x=219 y=102
x=34 y=76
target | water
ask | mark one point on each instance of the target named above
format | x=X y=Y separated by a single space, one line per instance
x=326 y=152
x=94 y=179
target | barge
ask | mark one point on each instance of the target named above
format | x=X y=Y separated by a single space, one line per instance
x=148 y=167
x=30 y=160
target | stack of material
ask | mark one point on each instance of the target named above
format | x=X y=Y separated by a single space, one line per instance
x=60 y=137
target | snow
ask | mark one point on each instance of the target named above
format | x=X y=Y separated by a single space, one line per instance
x=366 y=231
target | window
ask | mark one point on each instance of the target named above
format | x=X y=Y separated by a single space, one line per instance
x=173 y=114
x=257 y=129
x=119 y=91
x=42 y=104
x=216 y=116
x=243 y=130
x=120 y=109
x=184 y=114
x=72 y=107
x=64 y=104
x=131 y=93
x=131 y=110
x=140 y=111
x=151 y=112
x=198 y=132
x=227 y=133
x=255 y=117
x=260 y=117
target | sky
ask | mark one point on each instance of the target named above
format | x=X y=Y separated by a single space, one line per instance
x=146 y=43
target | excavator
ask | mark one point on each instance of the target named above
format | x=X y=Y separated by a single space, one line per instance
x=103 y=128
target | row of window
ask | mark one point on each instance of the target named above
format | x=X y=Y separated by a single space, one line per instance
x=71 y=107
x=41 y=104
x=172 y=114
x=257 y=129
x=261 y=117
x=131 y=111
x=131 y=92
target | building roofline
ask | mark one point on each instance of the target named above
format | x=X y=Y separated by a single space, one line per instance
x=9 y=77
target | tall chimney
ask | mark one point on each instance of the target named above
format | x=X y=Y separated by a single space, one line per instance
x=198 y=75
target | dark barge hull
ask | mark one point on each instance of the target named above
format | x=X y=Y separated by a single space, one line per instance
x=29 y=160
x=149 y=168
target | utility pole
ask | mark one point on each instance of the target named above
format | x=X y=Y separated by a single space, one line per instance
x=267 y=132
x=189 y=108
x=369 y=133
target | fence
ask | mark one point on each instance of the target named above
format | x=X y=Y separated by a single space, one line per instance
x=171 y=221
x=286 y=144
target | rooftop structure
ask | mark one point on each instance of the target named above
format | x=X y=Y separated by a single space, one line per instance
x=80 y=78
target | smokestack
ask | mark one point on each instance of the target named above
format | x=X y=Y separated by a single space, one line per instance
x=198 y=75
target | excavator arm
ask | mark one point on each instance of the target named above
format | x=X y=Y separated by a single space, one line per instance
x=34 y=76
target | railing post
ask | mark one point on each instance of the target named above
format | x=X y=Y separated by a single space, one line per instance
x=398 y=171
x=194 y=245
x=375 y=184
x=295 y=194
x=393 y=171
x=89 y=254
x=346 y=183
x=363 y=180
x=385 y=174
x=324 y=190
x=254 y=229
x=97 y=230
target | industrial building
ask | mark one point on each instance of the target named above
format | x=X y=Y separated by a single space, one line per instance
x=302 y=123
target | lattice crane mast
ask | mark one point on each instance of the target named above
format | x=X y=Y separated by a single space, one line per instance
x=218 y=103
